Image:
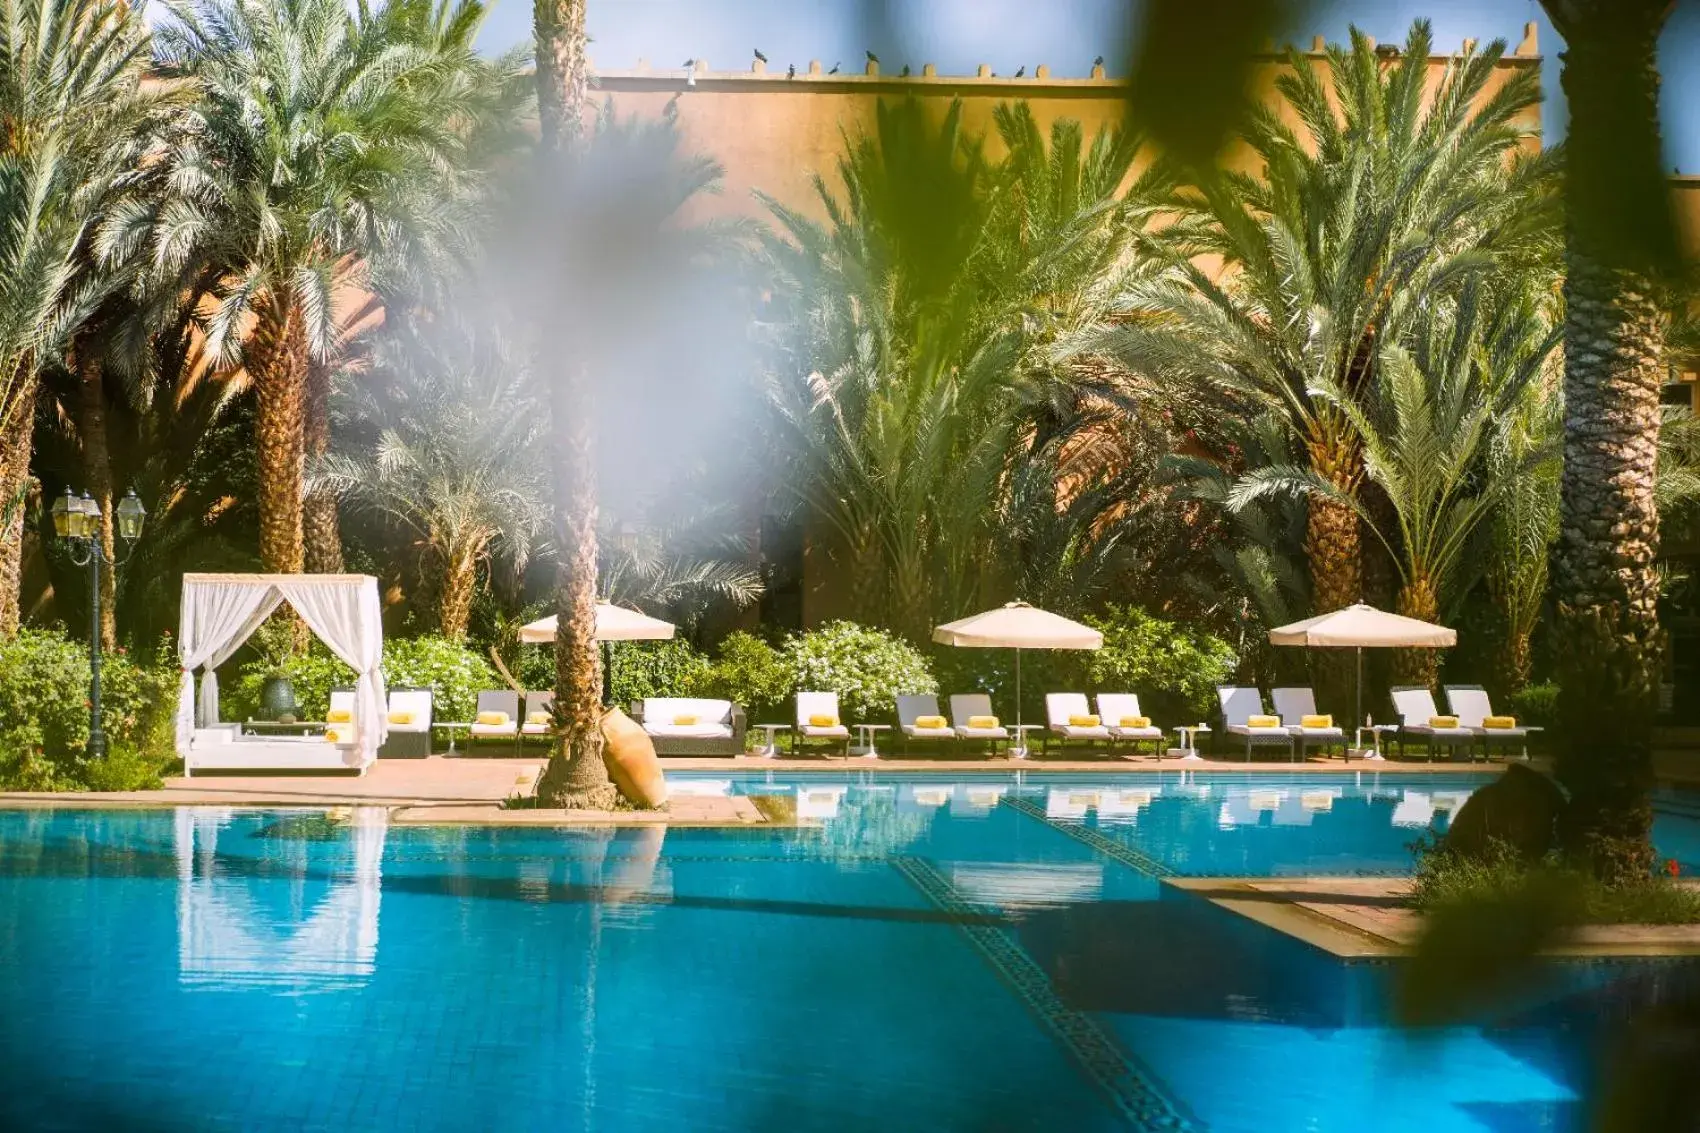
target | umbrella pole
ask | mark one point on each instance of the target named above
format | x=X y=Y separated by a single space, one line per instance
x=1360 y=683
x=1020 y=743
x=607 y=673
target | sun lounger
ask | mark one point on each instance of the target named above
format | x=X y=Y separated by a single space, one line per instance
x=965 y=707
x=1293 y=705
x=1415 y=707
x=913 y=708
x=1063 y=707
x=1114 y=707
x=539 y=713
x=410 y=724
x=1470 y=703
x=819 y=705
x=1239 y=705
x=493 y=703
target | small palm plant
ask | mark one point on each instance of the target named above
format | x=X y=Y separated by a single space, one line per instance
x=457 y=463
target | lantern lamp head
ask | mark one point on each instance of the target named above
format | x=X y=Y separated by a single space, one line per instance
x=130 y=515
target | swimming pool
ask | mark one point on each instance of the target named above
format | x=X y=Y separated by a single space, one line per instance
x=963 y=952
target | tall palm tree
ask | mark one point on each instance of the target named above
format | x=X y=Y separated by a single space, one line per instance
x=457 y=465
x=70 y=82
x=1604 y=577
x=1388 y=191
x=319 y=140
x=922 y=329
x=1523 y=529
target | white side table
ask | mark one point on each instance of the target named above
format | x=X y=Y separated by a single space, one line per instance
x=1189 y=741
x=451 y=727
x=1375 y=733
x=770 y=749
x=1018 y=750
x=865 y=747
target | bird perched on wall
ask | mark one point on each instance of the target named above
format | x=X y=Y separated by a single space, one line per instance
x=1021 y=70
x=872 y=58
x=791 y=71
x=688 y=64
x=834 y=70
x=760 y=56
x=1387 y=50
x=905 y=71
x=1098 y=62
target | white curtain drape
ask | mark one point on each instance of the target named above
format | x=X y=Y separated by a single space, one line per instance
x=218 y=616
x=346 y=616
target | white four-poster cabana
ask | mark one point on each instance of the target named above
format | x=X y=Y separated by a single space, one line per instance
x=221 y=611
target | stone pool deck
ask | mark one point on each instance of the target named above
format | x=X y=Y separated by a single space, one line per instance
x=444 y=789
x=1363 y=918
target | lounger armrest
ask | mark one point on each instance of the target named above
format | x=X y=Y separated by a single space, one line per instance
x=740 y=723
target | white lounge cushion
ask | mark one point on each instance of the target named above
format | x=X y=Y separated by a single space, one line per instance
x=666 y=709
x=1276 y=732
x=531 y=729
x=1070 y=732
x=836 y=732
x=690 y=731
x=1317 y=733
x=943 y=733
x=509 y=729
x=967 y=733
x=1121 y=733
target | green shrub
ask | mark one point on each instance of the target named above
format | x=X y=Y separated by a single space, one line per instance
x=454 y=673
x=1174 y=668
x=1448 y=881
x=747 y=671
x=44 y=711
x=654 y=668
x=126 y=768
x=44 y=698
x=1535 y=706
x=868 y=668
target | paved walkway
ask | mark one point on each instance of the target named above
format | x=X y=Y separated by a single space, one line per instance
x=1370 y=917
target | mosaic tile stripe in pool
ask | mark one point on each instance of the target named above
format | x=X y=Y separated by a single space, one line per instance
x=1131 y=1088
x=1109 y=847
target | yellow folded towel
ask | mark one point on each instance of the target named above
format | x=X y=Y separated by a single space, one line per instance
x=823 y=720
x=1083 y=721
x=1317 y=721
x=537 y=718
x=1263 y=722
x=1136 y=721
x=1499 y=721
x=401 y=717
x=1443 y=721
x=339 y=716
x=982 y=721
x=931 y=722
x=493 y=719
x=685 y=721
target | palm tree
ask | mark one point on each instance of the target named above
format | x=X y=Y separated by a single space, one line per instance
x=1604 y=578
x=319 y=140
x=457 y=465
x=70 y=82
x=1387 y=192
x=928 y=314
x=1524 y=526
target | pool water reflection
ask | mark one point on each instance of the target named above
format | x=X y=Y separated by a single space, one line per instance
x=929 y=952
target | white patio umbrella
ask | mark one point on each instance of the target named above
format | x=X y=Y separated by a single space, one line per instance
x=1018 y=626
x=1364 y=627
x=613 y=623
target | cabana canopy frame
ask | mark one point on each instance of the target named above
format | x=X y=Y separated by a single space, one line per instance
x=221 y=611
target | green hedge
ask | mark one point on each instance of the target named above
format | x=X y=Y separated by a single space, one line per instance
x=868 y=668
x=654 y=668
x=44 y=714
x=748 y=671
x=1174 y=668
x=453 y=672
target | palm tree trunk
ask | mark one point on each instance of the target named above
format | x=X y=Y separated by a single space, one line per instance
x=97 y=479
x=1333 y=547
x=1417 y=599
x=321 y=532
x=460 y=580
x=576 y=775
x=277 y=362
x=1602 y=573
x=17 y=429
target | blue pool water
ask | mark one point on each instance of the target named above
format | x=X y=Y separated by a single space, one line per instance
x=938 y=953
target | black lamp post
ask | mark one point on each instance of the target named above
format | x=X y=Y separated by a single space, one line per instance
x=77 y=522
